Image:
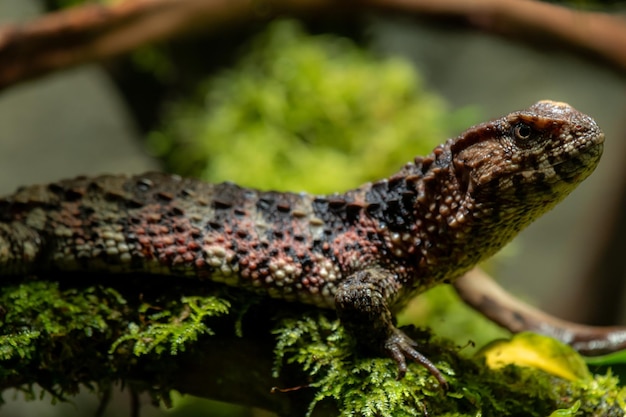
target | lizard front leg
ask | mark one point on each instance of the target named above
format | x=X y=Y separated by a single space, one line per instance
x=362 y=306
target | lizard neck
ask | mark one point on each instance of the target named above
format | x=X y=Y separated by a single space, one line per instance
x=428 y=219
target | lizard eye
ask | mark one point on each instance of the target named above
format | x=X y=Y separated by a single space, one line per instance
x=522 y=131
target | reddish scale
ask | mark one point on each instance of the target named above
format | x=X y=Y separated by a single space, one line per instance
x=353 y=251
x=168 y=238
x=69 y=216
x=279 y=258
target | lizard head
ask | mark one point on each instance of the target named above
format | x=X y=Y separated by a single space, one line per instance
x=529 y=159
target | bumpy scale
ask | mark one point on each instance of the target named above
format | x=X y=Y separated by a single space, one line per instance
x=363 y=252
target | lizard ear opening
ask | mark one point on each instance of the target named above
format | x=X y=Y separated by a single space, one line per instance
x=464 y=150
x=474 y=135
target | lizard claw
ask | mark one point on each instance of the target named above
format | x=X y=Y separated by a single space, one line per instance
x=399 y=346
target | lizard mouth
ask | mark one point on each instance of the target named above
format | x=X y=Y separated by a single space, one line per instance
x=569 y=171
x=577 y=166
x=583 y=163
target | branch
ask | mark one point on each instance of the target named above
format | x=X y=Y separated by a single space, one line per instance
x=156 y=338
x=94 y=32
x=90 y=33
x=600 y=34
x=482 y=293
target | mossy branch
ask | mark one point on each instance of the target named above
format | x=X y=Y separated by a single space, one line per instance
x=185 y=339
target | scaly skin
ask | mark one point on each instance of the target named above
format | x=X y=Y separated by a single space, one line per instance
x=363 y=252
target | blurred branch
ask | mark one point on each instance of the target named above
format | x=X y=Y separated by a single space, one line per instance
x=94 y=32
x=598 y=33
x=482 y=293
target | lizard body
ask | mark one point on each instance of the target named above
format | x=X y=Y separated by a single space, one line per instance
x=364 y=252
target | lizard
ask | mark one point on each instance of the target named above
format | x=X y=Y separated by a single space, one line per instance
x=363 y=252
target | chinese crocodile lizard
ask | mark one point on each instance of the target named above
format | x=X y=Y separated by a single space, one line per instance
x=363 y=252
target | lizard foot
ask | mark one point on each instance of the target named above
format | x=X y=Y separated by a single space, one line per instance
x=399 y=346
x=361 y=303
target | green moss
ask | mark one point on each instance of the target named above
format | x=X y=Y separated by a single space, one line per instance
x=38 y=310
x=366 y=386
x=322 y=350
x=61 y=337
x=302 y=112
x=42 y=326
x=169 y=332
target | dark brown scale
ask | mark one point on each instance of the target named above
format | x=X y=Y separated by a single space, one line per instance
x=164 y=196
x=55 y=188
x=283 y=207
x=337 y=204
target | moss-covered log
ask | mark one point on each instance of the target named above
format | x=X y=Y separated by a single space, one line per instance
x=219 y=344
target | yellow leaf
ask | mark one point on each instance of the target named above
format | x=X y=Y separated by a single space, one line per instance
x=536 y=351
